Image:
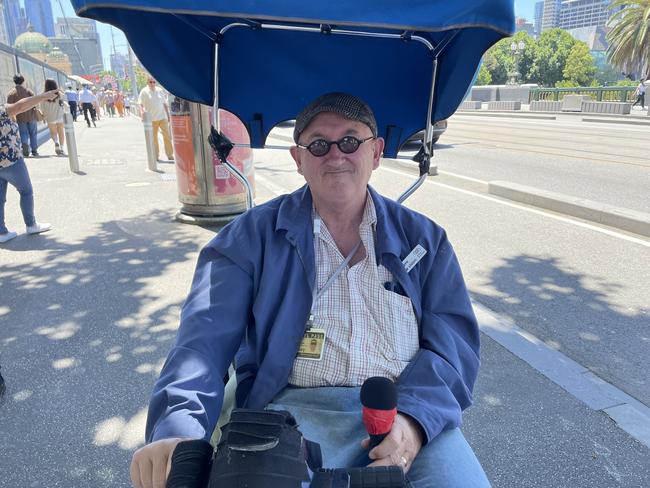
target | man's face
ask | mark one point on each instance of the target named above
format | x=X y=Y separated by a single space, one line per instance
x=337 y=176
x=151 y=84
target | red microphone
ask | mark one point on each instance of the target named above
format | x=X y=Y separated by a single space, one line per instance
x=379 y=400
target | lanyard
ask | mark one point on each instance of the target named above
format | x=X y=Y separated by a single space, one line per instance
x=319 y=293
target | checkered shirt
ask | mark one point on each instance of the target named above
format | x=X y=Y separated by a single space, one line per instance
x=369 y=331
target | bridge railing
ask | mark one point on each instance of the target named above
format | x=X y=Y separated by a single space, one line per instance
x=599 y=94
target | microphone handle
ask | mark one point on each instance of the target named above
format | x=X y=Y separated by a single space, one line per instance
x=375 y=440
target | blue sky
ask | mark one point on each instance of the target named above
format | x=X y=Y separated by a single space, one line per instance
x=523 y=8
x=526 y=9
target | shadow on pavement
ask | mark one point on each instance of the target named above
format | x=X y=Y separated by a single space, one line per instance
x=526 y=428
x=84 y=330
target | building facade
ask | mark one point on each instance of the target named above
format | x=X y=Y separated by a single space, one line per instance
x=120 y=65
x=539 y=14
x=39 y=14
x=522 y=24
x=4 y=38
x=85 y=54
x=574 y=14
x=551 y=14
x=33 y=43
x=79 y=40
x=76 y=27
x=584 y=13
x=13 y=19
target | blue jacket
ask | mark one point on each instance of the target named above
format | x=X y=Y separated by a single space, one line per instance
x=251 y=296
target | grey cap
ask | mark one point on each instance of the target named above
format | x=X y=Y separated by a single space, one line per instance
x=348 y=106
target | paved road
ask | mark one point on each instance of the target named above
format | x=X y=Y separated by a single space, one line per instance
x=607 y=163
x=88 y=312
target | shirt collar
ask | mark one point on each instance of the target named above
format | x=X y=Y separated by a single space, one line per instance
x=368 y=218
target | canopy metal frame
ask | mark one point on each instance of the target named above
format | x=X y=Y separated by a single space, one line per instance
x=434 y=51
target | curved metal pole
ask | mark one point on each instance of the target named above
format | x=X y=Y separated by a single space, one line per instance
x=250 y=203
x=411 y=189
x=429 y=127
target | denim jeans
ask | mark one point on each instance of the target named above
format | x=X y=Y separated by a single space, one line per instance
x=17 y=175
x=29 y=131
x=331 y=416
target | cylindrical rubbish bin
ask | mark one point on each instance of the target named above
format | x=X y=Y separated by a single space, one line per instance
x=208 y=192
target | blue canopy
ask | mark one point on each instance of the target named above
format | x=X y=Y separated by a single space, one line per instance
x=267 y=75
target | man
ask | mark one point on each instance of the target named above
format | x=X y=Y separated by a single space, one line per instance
x=153 y=101
x=327 y=259
x=27 y=122
x=640 y=95
x=72 y=97
x=88 y=101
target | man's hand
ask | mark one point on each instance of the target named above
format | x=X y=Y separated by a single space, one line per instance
x=151 y=464
x=400 y=446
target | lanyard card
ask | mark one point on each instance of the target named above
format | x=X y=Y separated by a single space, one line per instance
x=312 y=345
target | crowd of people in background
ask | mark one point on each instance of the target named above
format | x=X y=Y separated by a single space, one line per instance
x=91 y=101
x=103 y=101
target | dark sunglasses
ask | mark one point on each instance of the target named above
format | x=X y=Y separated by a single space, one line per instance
x=347 y=145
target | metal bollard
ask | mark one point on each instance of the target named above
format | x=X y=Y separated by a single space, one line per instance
x=71 y=142
x=152 y=163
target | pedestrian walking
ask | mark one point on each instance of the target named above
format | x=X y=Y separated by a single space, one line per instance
x=97 y=103
x=88 y=101
x=100 y=104
x=110 y=103
x=640 y=94
x=72 y=97
x=13 y=168
x=154 y=102
x=127 y=105
x=27 y=121
x=119 y=103
x=53 y=110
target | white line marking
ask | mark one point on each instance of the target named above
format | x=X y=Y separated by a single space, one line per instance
x=567 y=220
x=468 y=178
x=630 y=415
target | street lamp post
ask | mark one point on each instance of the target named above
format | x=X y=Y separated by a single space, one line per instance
x=517 y=50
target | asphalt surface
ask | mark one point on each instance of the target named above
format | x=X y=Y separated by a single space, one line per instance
x=604 y=162
x=88 y=312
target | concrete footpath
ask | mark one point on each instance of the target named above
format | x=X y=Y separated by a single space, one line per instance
x=89 y=310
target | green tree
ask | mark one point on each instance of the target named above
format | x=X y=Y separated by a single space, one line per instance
x=629 y=37
x=141 y=77
x=626 y=82
x=500 y=59
x=484 y=77
x=553 y=49
x=579 y=67
x=498 y=71
x=567 y=84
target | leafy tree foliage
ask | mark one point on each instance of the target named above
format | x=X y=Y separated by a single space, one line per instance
x=141 y=77
x=500 y=60
x=484 y=77
x=629 y=37
x=553 y=49
x=555 y=59
x=579 y=67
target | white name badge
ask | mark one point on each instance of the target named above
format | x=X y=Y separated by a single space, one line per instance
x=414 y=257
